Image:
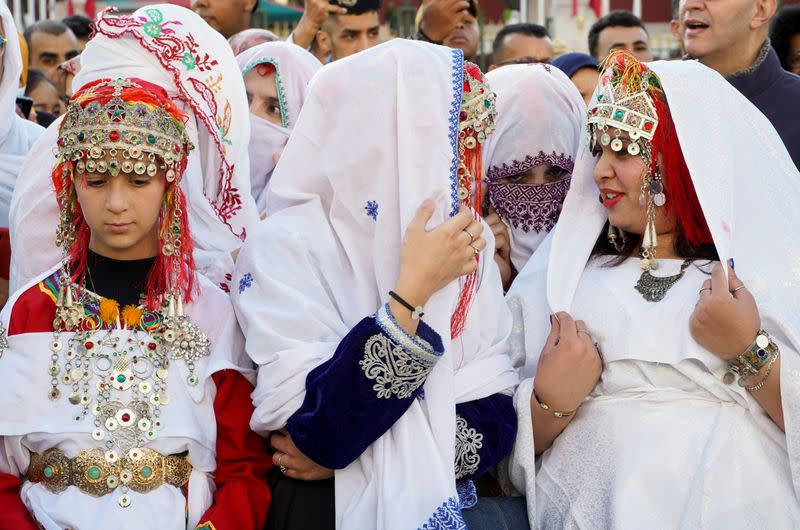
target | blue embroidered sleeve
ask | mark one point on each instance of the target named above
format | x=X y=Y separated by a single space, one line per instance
x=485 y=433
x=363 y=389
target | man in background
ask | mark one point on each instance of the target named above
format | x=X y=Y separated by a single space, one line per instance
x=732 y=38
x=452 y=23
x=521 y=43
x=226 y=16
x=619 y=30
x=331 y=31
x=50 y=43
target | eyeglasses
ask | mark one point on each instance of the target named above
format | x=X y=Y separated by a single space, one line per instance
x=526 y=59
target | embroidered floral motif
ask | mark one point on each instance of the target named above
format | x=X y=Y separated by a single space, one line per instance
x=529 y=206
x=178 y=54
x=279 y=87
x=515 y=167
x=372 y=210
x=468 y=443
x=457 y=84
x=467 y=494
x=446 y=517
x=245 y=282
x=395 y=372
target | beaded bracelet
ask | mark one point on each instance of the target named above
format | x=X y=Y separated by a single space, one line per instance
x=758 y=386
x=754 y=358
x=556 y=413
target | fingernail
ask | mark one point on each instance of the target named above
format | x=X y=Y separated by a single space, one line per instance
x=730 y=262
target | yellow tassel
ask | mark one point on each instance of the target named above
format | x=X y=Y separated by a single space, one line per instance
x=109 y=310
x=131 y=315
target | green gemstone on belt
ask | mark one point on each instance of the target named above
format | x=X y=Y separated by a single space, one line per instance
x=147 y=471
x=121 y=378
x=48 y=472
x=93 y=472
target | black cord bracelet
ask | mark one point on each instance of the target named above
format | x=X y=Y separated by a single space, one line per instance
x=416 y=312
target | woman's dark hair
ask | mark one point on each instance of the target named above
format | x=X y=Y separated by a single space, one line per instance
x=683 y=249
x=785 y=25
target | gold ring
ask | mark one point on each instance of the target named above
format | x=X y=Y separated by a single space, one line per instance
x=587 y=333
x=475 y=249
x=280 y=463
x=703 y=289
x=471 y=237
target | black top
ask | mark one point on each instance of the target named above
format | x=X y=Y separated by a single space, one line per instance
x=124 y=281
x=776 y=93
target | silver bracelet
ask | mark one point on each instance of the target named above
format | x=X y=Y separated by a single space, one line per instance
x=758 y=386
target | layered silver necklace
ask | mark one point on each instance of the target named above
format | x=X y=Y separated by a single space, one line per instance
x=654 y=288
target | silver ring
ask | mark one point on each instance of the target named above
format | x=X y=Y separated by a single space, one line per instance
x=475 y=249
x=471 y=237
x=280 y=463
x=703 y=289
x=587 y=333
x=740 y=287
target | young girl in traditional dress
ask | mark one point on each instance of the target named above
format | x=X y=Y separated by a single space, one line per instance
x=127 y=390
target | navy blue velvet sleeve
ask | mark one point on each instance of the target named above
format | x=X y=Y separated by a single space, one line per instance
x=363 y=389
x=485 y=433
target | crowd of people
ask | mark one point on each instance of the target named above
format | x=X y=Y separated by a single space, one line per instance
x=330 y=282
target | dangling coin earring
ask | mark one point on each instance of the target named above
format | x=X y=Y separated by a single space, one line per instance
x=613 y=237
x=657 y=189
x=605 y=139
x=616 y=143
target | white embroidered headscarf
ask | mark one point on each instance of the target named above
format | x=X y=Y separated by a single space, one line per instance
x=294 y=68
x=728 y=145
x=174 y=48
x=17 y=135
x=333 y=236
x=539 y=121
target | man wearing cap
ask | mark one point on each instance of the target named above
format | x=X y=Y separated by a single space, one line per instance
x=582 y=70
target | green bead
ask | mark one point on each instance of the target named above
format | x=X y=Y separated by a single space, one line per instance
x=48 y=471
x=599 y=97
x=147 y=471
x=487 y=103
x=121 y=378
x=618 y=115
x=93 y=472
x=151 y=138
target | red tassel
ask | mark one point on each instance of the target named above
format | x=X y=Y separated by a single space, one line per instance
x=681 y=196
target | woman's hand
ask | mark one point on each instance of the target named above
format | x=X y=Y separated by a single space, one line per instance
x=502 y=246
x=429 y=260
x=569 y=365
x=725 y=322
x=296 y=464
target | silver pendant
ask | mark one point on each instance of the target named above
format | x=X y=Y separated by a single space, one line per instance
x=654 y=288
x=728 y=378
